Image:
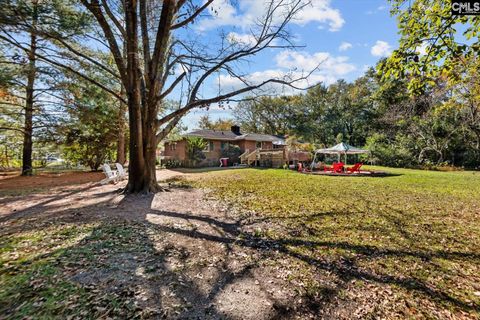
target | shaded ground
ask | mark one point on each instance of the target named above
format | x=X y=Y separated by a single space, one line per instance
x=95 y=248
x=12 y=181
x=242 y=250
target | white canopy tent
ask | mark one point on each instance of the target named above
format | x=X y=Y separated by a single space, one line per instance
x=340 y=149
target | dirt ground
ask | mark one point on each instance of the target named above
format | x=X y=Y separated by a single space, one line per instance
x=181 y=254
x=207 y=265
x=12 y=181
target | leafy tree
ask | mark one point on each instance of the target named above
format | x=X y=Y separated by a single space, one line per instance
x=36 y=21
x=433 y=42
x=195 y=147
x=395 y=152
x=90 y=130
x=267 y=115
x=319 y=115
x=219 y=124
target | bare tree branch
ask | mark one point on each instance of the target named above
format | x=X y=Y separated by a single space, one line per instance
x=114 y=19
x=95 y=9
x=192 y=17
x=172 y=86
x=66 y=67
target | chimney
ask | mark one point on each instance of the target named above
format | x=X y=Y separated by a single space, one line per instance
x=235 y=129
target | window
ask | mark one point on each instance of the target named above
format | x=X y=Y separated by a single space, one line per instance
x=173 y=146
x=207 y=147
x=259 y=145
x=211 y=146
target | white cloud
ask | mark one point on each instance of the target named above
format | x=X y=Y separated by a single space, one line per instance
x=244 y=39
x=293 y=65
x=324 y=61
x=344 y=46
x=248 y=12
x=321 y=12
x=381 y=49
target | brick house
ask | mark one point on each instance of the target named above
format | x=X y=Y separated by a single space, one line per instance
x=249 y=143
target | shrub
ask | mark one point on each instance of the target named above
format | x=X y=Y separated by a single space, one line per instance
x=232 y=152
x=390 y=153
x=195 y=147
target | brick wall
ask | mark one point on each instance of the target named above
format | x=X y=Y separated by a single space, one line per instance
x=176 y=150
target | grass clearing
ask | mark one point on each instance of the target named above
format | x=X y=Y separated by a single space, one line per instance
x=417 y=232
x=402 y=246
x=41 y=271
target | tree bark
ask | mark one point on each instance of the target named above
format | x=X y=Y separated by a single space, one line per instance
x=137 y=177
x=27 y=169
x=121 y=132
x=143 y=106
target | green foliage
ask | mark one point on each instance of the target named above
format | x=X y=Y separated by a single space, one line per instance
x=56 y=18
x=265 y=115
x=232 y=152
x=390 y=153
x=319 y=116
x=171 y=163
x=440 y=125
x=91 y=129
x=195 y=147
x=219 y=124
x=432 y=43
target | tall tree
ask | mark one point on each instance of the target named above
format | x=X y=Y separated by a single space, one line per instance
x=155 y=53
x=270 y=115
x=34 y=20
x=121 y=135
x=27 y=168
x=156 y=45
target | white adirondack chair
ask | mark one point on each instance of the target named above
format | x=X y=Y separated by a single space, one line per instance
x=110 y=174
x=122 y=174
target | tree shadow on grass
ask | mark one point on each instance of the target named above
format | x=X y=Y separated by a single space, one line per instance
x=133 y=259
x=346 y=269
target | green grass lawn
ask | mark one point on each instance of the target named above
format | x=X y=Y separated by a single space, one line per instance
x=402 y=246
x=416 y=232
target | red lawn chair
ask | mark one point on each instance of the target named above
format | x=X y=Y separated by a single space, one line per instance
x=328 y=168
x=338 y=167
x=356 y=168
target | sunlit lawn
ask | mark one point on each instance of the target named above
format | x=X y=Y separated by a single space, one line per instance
x=418 y=232
x=402 y=246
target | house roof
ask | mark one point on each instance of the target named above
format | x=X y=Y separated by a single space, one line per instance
x=230 y=136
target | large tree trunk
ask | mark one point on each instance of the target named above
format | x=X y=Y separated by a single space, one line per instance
x=150 y=157
x=138 y=179
x=121 y=132
x=28 y=126
x=143 y=105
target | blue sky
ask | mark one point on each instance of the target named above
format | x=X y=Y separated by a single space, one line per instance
x=347 y=36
